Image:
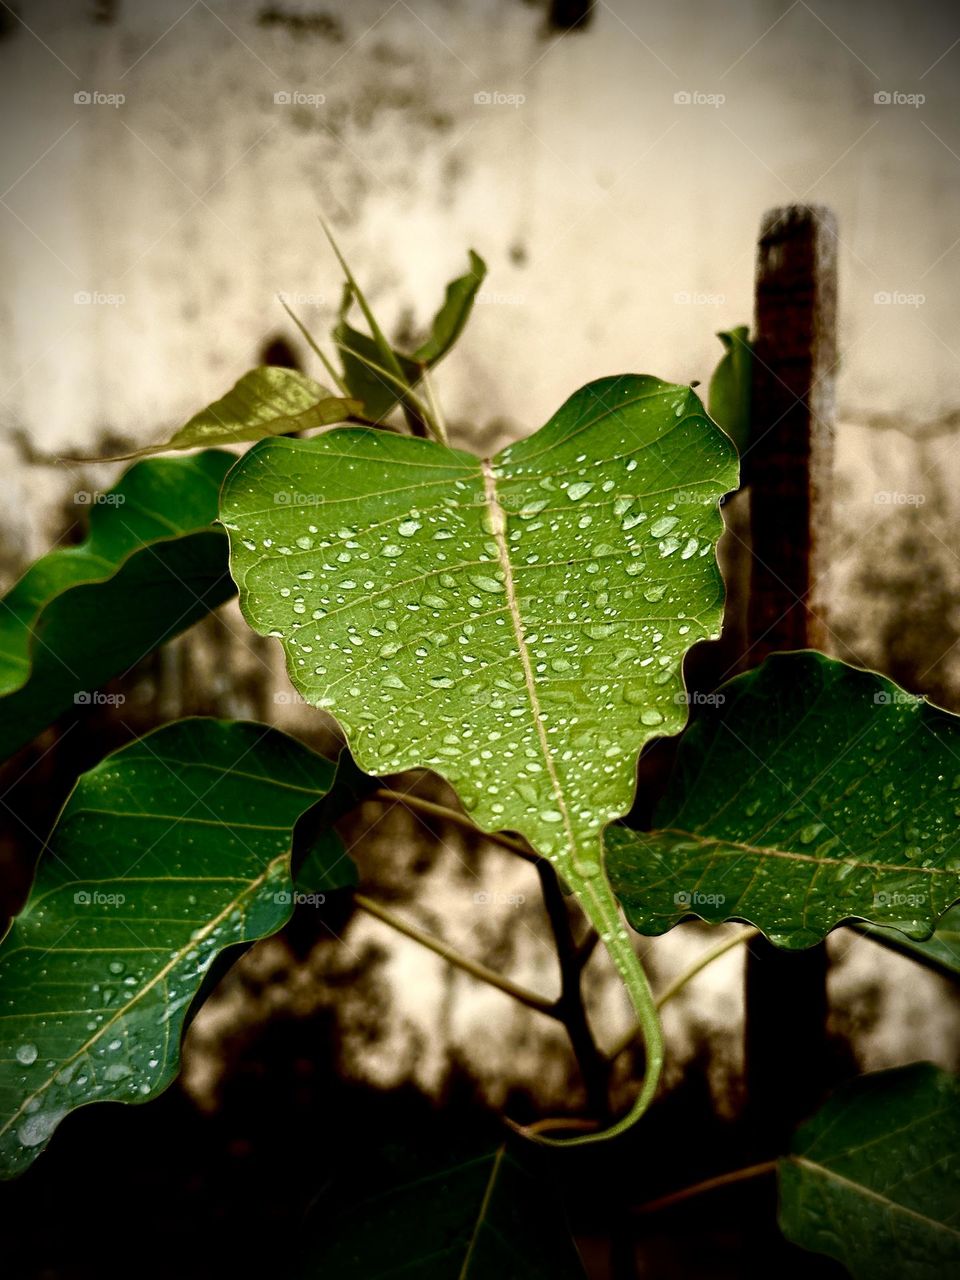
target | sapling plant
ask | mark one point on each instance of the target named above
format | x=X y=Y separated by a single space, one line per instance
x=518 y=626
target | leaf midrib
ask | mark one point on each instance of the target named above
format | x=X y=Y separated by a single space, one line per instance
x=123 y=1010
x=823 y=1171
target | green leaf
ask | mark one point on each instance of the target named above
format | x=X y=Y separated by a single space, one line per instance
x=940 y=951
x=267 y=401
x=813 y=793
x=152 y=565
x=483 y=1217
x=167 y=852
x=731 y=386
x=450 y=320
x=379 y=394
x=518 y=624
x=873 y=1179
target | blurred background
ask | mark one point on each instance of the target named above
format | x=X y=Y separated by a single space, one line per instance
x=162 y=167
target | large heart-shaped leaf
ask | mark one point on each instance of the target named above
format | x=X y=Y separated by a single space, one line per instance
x=168 y=851
x=517 y=624
x=484 y=1217
x=874 y=1178
x=268 y=401
x=152 y=565
x=811 y=793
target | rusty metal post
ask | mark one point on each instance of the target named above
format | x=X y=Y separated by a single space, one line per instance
x=788 y=466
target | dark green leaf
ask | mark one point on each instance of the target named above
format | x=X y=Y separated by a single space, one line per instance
x=516 y=624
x=940 y=951
x=485 y=1218
x=812 y=794
x=874 y=1178
x=449 y=321
x=167 y=852
x=731 y=386
x=152 y=565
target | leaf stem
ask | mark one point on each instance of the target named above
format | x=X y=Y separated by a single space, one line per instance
x=705 y=958
x=593 y=1065
x=708 y=1184
x=312 y=344
x=435 y=410
x=477 y=970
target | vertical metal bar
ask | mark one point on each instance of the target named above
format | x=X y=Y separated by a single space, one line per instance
x=788 y=466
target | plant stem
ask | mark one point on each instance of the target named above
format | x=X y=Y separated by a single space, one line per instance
x=705 y=958
x=477 y=970
x=435 y=410
x=708 y=1184
x=593 y=1065
x=312 y=344
x=430 y=809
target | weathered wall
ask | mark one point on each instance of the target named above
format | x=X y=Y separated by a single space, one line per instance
x=619 y=224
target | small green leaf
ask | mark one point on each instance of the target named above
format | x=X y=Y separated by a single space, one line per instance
x=812 y=793
x=873 y=1179
x=450 y=320
x=486 y=1217
x=152 y=565
x=517 y=624
x=267 y=401
x=731 y=386
x=940 y=951
x=166 y=853
x=380 y=394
